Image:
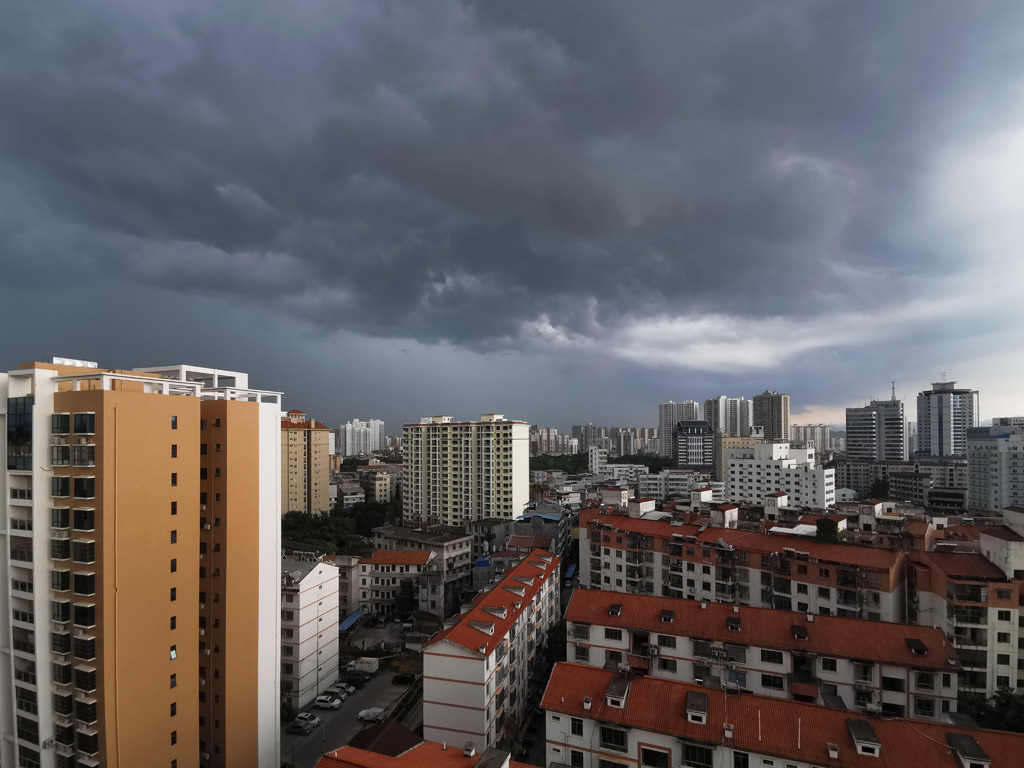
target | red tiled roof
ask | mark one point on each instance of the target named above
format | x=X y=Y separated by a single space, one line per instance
x=288 y=424
x=427 y=755
x=749 y=541
x=531 y=542
x=789 y=730
x=645 y=498
x=398 y=557
x=296 y=410
x=766 y=628
x=472 y=639
x=963 y=565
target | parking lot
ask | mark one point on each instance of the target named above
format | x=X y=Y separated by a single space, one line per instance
x=340 y=725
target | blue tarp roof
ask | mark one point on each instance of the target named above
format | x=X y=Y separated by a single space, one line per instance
x=482 y=562
x=351 y=620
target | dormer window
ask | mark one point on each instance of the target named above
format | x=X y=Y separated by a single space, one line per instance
x=917 y=647
x=799 y=632
x=615 y=609
x=864 y=737
x=968 y=751
x=733 y=623
x=697 y=707
x=668 y=616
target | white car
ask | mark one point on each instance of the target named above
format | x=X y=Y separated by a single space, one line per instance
x=371 y=715
x=337 y=691
x=327 y=702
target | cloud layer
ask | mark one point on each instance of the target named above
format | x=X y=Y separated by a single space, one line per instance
x=731 y=193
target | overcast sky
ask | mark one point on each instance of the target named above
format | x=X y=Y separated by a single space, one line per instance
x=561 y=211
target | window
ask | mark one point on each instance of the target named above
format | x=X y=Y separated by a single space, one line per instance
x=174 y=479
x=771 y=657
x=582 y=652
x=60 y=581
x=174 y=709
x=576 y=725
x=823 y=573
x=174 y=738
x=174 y=622
x=1003 y=615
x=60 y=517
x=894 y=684
x=692 y=755
x=60 y=423
x=60 y=487
x=174 y=565
x=85 y=423
x=174 y=422
x=575 y=758
x=801 y=588
x=924 y=707
x=612 y=738
x=174 y=451
x=828 y=665
x=174 y=507
x=612 y=634
x=774 y=682
x=740 y=760
x=602 y=763
x=174 y=537
x=666 y=665
x=1004 y=594
x=85 y=519
x=85 y=615
x=174 y=681
x=174 y=652
x=174 y=594
x=85 y=583
x=666 y=641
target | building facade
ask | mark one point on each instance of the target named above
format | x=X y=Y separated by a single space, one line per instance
x=389 y=573
x=755 y=473
x=897 y=670
x=478 y=675
x=455 y=472
x=453 y=547
x=995 y=468
x=816 y=435
x=694 y=445
x=305 y=465
x=310 y=612
x=771 y=411
x=597 y=718
x=729 y=415
x=670 y=414
x=117 y=487
x=360 y=438
x=877 y=431
x=944 y=414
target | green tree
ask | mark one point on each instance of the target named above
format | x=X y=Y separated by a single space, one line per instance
x=879 y=489
x=405 y=600
x=571 y=464
x=1004 y=711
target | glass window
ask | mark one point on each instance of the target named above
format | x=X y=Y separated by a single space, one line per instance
x=85 y=423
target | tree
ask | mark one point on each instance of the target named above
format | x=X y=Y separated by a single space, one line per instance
x=571 y=464
x=879 y=489
x=405 y=600
x=1004 y=711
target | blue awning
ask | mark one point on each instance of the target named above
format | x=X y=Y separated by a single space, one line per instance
x=349 y=622
x=482 y=562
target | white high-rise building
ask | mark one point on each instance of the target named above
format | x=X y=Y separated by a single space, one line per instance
x=754 y=473
x=360 y=438
x=877 y=431
x=456 y=472
x=670 y=414
x=731 y=416
x=995 y=468
x=944 y=414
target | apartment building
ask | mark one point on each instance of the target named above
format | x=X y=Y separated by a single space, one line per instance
x=694 y=445
x=305 y=464
x=860 y=476
x=142 y=512
x=670 y=414
x=877 y=431
x=597 y=718
x=382 y=576
x=479 y=673
x=818 y=435
x=723 y=443
x=671 y=482
x=360 y=438
x=944 y=414
x=770 y=410
x=728 y=415
x=453 y=548
x=995 y=460
x=895 y=669
x=755 y=473
x=348 y=581
x=310 y=592
x=657 y=555
x=461 y=471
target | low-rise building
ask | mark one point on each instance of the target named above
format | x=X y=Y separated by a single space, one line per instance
x=399 y=580
x=348 y=582
x=309 y=628
x=597 y=718
x=426 y=753
x=896 y=669
x=753 y=473
x=478 y=674
x=452 y=580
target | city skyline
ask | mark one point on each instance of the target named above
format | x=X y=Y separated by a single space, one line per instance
x=513 y=215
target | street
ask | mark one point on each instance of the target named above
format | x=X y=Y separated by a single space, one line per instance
x=339 y=725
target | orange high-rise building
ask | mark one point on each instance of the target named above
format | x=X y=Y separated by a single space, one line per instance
x=143 y=563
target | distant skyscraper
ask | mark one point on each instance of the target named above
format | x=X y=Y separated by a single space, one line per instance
x=818 y=434
x=360 y=438
x=876 y=432
x=771 y=411
x=670 y=414
x=944 y=414
x=729 y=415
x=694 y=445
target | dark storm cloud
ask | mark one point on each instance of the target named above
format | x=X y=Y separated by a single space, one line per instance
x=511 y=175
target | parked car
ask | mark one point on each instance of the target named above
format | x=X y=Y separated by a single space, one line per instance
x=304 y=722
x=405 y=678
x=327 y=701
x=355 y=679
x=337 y=691
x=371 y=715
x=346 y=688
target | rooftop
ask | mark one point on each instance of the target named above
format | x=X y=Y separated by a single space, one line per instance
x=438 y=535
x=766 y=628
x=529 y=542
x=299 y=567
x=964 y=565
x=399 y=557
x=748 y=541
x=789 y=730
x=483 y=627
x=427 y=754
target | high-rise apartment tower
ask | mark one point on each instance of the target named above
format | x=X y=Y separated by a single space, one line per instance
x=771 y=411
x=142 y=599
x=944 y=414
x=670 y=414
x=877 y=431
